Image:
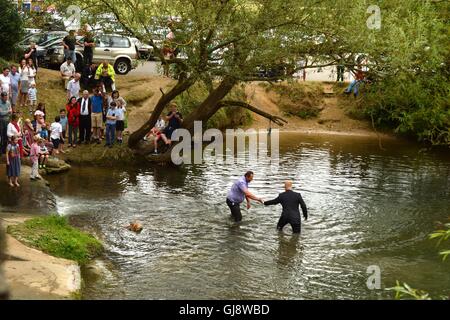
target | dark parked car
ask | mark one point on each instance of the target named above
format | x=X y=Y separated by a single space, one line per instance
x=40 y=38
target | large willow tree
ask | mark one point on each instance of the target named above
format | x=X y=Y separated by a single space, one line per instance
x=224 y=41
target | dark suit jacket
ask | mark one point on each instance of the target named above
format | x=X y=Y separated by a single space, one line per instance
x=290 y=201
x=89 y=105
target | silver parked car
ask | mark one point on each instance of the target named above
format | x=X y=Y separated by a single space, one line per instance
x=120 y=51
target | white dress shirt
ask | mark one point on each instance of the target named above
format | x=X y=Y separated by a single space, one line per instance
x=84 y=107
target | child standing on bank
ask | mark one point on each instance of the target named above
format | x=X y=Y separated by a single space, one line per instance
x=120 y=122
x=111 y=125
x=32 y=96
x=56 y=135
x=34 y=156
x=13 y=162
x=64 y=123
x=43 y=154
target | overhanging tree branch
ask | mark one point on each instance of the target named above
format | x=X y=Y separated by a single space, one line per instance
x=232 y=103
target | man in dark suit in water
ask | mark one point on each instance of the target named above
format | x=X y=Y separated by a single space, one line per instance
x=290 y=201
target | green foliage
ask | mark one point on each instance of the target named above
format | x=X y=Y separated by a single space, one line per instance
x=4 y=63
x=405 y=291
x=418 y=106
x=53 y=235
x=11 y=27
x=442 y=235
x=408 y=59
x=411 y=69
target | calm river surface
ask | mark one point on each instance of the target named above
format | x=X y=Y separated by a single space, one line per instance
x=367 y=207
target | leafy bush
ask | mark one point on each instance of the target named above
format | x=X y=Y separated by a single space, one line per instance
x=404 y=291
x=4 y=63
x=53 y=235
x=413 y=105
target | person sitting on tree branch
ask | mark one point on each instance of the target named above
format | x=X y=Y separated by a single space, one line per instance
x=174 y=119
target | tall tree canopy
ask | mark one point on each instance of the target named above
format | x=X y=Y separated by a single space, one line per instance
x=11 y=28
x=224 y=41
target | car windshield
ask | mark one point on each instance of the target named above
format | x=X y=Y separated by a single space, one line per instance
x=50 y=41
x=36 y=38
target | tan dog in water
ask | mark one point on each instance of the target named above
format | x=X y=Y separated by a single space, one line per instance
x=135 y=227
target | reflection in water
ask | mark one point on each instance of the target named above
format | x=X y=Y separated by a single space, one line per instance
x=289 y=250
x=366 y=207
x=30 y=198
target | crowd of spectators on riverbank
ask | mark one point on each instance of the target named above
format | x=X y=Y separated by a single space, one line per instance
x=94 y=111
x=87 y=116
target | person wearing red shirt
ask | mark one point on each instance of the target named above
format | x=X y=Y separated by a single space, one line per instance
x=73 y=117
x=354 y=85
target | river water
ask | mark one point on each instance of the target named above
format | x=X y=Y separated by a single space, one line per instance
x=367 y=207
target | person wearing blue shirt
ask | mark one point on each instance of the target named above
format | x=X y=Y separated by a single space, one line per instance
x=15 y=84
x=111 y=119
x=237 y=194
x=97 y=115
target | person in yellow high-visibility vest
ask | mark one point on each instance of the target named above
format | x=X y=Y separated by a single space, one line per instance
x=106 y=75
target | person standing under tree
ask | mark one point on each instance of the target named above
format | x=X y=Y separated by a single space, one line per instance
x=85 y=103
x=73 y=119
x=31 y=53
x=5 y=113
x=34 y=156
x=5 y=82
x=32 y=97
x=32 y=71
x=69 y=42
x=97 y=115
x=24 y=83
x=340 y=69
x=120 y=120
x=56 y=134
x=67 y=70
x=111 y=120
x=13 y=162
x=74 y=87
x=89 y=44
x=15 y=86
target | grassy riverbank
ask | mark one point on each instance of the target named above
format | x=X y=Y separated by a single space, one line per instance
x=54 y=236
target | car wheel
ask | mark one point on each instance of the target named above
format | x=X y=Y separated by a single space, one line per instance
x=122 y=66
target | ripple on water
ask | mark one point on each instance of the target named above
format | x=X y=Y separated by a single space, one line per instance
x=366 y=206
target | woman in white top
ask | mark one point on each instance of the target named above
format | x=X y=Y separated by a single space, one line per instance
x=31 y=71
x=24 y=83
x=115 y=96
x=14 y=130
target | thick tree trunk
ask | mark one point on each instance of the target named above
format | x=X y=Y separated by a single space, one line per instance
x=210 y=105
x=166 y=98
x=203 y=112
